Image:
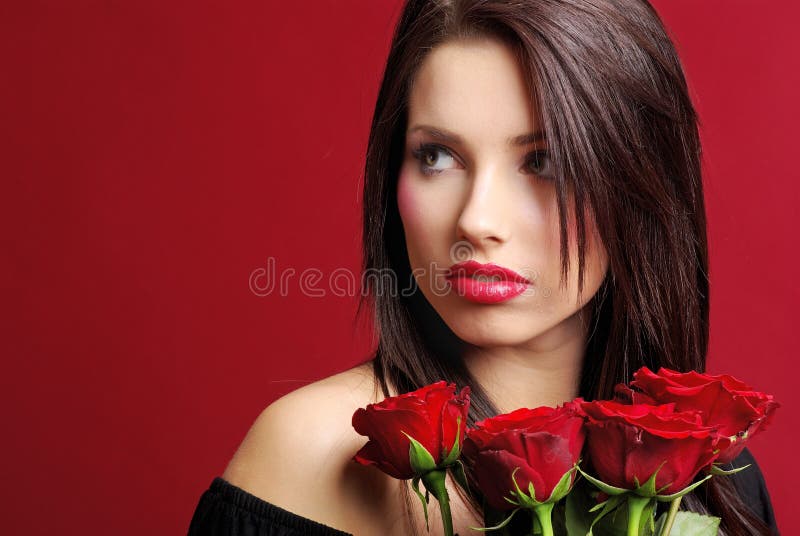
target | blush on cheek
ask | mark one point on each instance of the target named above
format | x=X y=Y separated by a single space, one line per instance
x=407 y=203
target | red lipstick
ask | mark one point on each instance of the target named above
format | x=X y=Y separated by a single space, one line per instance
x=486 y=283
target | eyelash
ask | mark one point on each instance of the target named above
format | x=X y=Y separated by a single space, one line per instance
x=426 y=148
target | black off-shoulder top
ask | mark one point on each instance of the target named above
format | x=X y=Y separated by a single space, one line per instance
x=227 y=510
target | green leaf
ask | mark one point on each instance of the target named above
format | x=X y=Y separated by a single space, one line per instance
x=660 y=523
x=690 y=524
x=681 y=493
x=620 y=522
x=522 y=499
x=717 y=470
x=421 y=460
x=598 y=506
x=602 y=486
x=455 y=452
x=563 y=486
x=616 y=523
x=576 y=515
x=648 y=489
x=559 y=518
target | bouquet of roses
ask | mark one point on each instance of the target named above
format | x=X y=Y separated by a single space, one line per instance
x=662 y=436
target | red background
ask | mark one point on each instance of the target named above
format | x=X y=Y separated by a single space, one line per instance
x=156 y=153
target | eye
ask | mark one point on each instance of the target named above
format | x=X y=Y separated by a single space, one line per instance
x=539 y=164
x=429 y=155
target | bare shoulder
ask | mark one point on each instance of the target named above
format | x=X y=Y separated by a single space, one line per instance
x=298 y=453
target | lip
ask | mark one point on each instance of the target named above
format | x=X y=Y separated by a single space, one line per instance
x=509 y=285
x=468 y=268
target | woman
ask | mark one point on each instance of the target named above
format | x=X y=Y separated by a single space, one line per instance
x=555 y=139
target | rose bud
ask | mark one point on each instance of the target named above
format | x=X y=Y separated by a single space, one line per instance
x=434 y=416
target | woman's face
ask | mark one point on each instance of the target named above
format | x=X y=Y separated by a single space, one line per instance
x=475 y=185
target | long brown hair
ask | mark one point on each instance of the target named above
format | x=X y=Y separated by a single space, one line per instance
x=624 y=144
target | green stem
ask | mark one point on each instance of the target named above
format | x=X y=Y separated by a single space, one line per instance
x=544 y=513
x=636 y=505
x=435 y=483
x=673 y=511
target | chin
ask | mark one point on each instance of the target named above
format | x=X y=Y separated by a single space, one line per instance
x=485 y=334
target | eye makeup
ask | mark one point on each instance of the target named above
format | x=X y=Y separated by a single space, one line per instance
x=534 y=161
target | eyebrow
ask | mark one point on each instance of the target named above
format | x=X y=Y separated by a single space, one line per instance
x=445 y=135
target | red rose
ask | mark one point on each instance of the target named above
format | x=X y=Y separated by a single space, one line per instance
x=724 y=402
x=628 y=443
x=544 y=443
x=430 y=415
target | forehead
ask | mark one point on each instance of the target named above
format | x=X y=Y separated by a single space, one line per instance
x=475 y=88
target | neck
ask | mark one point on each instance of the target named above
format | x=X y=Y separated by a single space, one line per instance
x=544 y=372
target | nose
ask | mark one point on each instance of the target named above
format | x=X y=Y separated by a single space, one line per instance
x=484 y=218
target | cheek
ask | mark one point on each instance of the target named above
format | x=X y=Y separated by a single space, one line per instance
x=426 y=216
x=407 y=204
x=412 y=216
x=415 y=204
